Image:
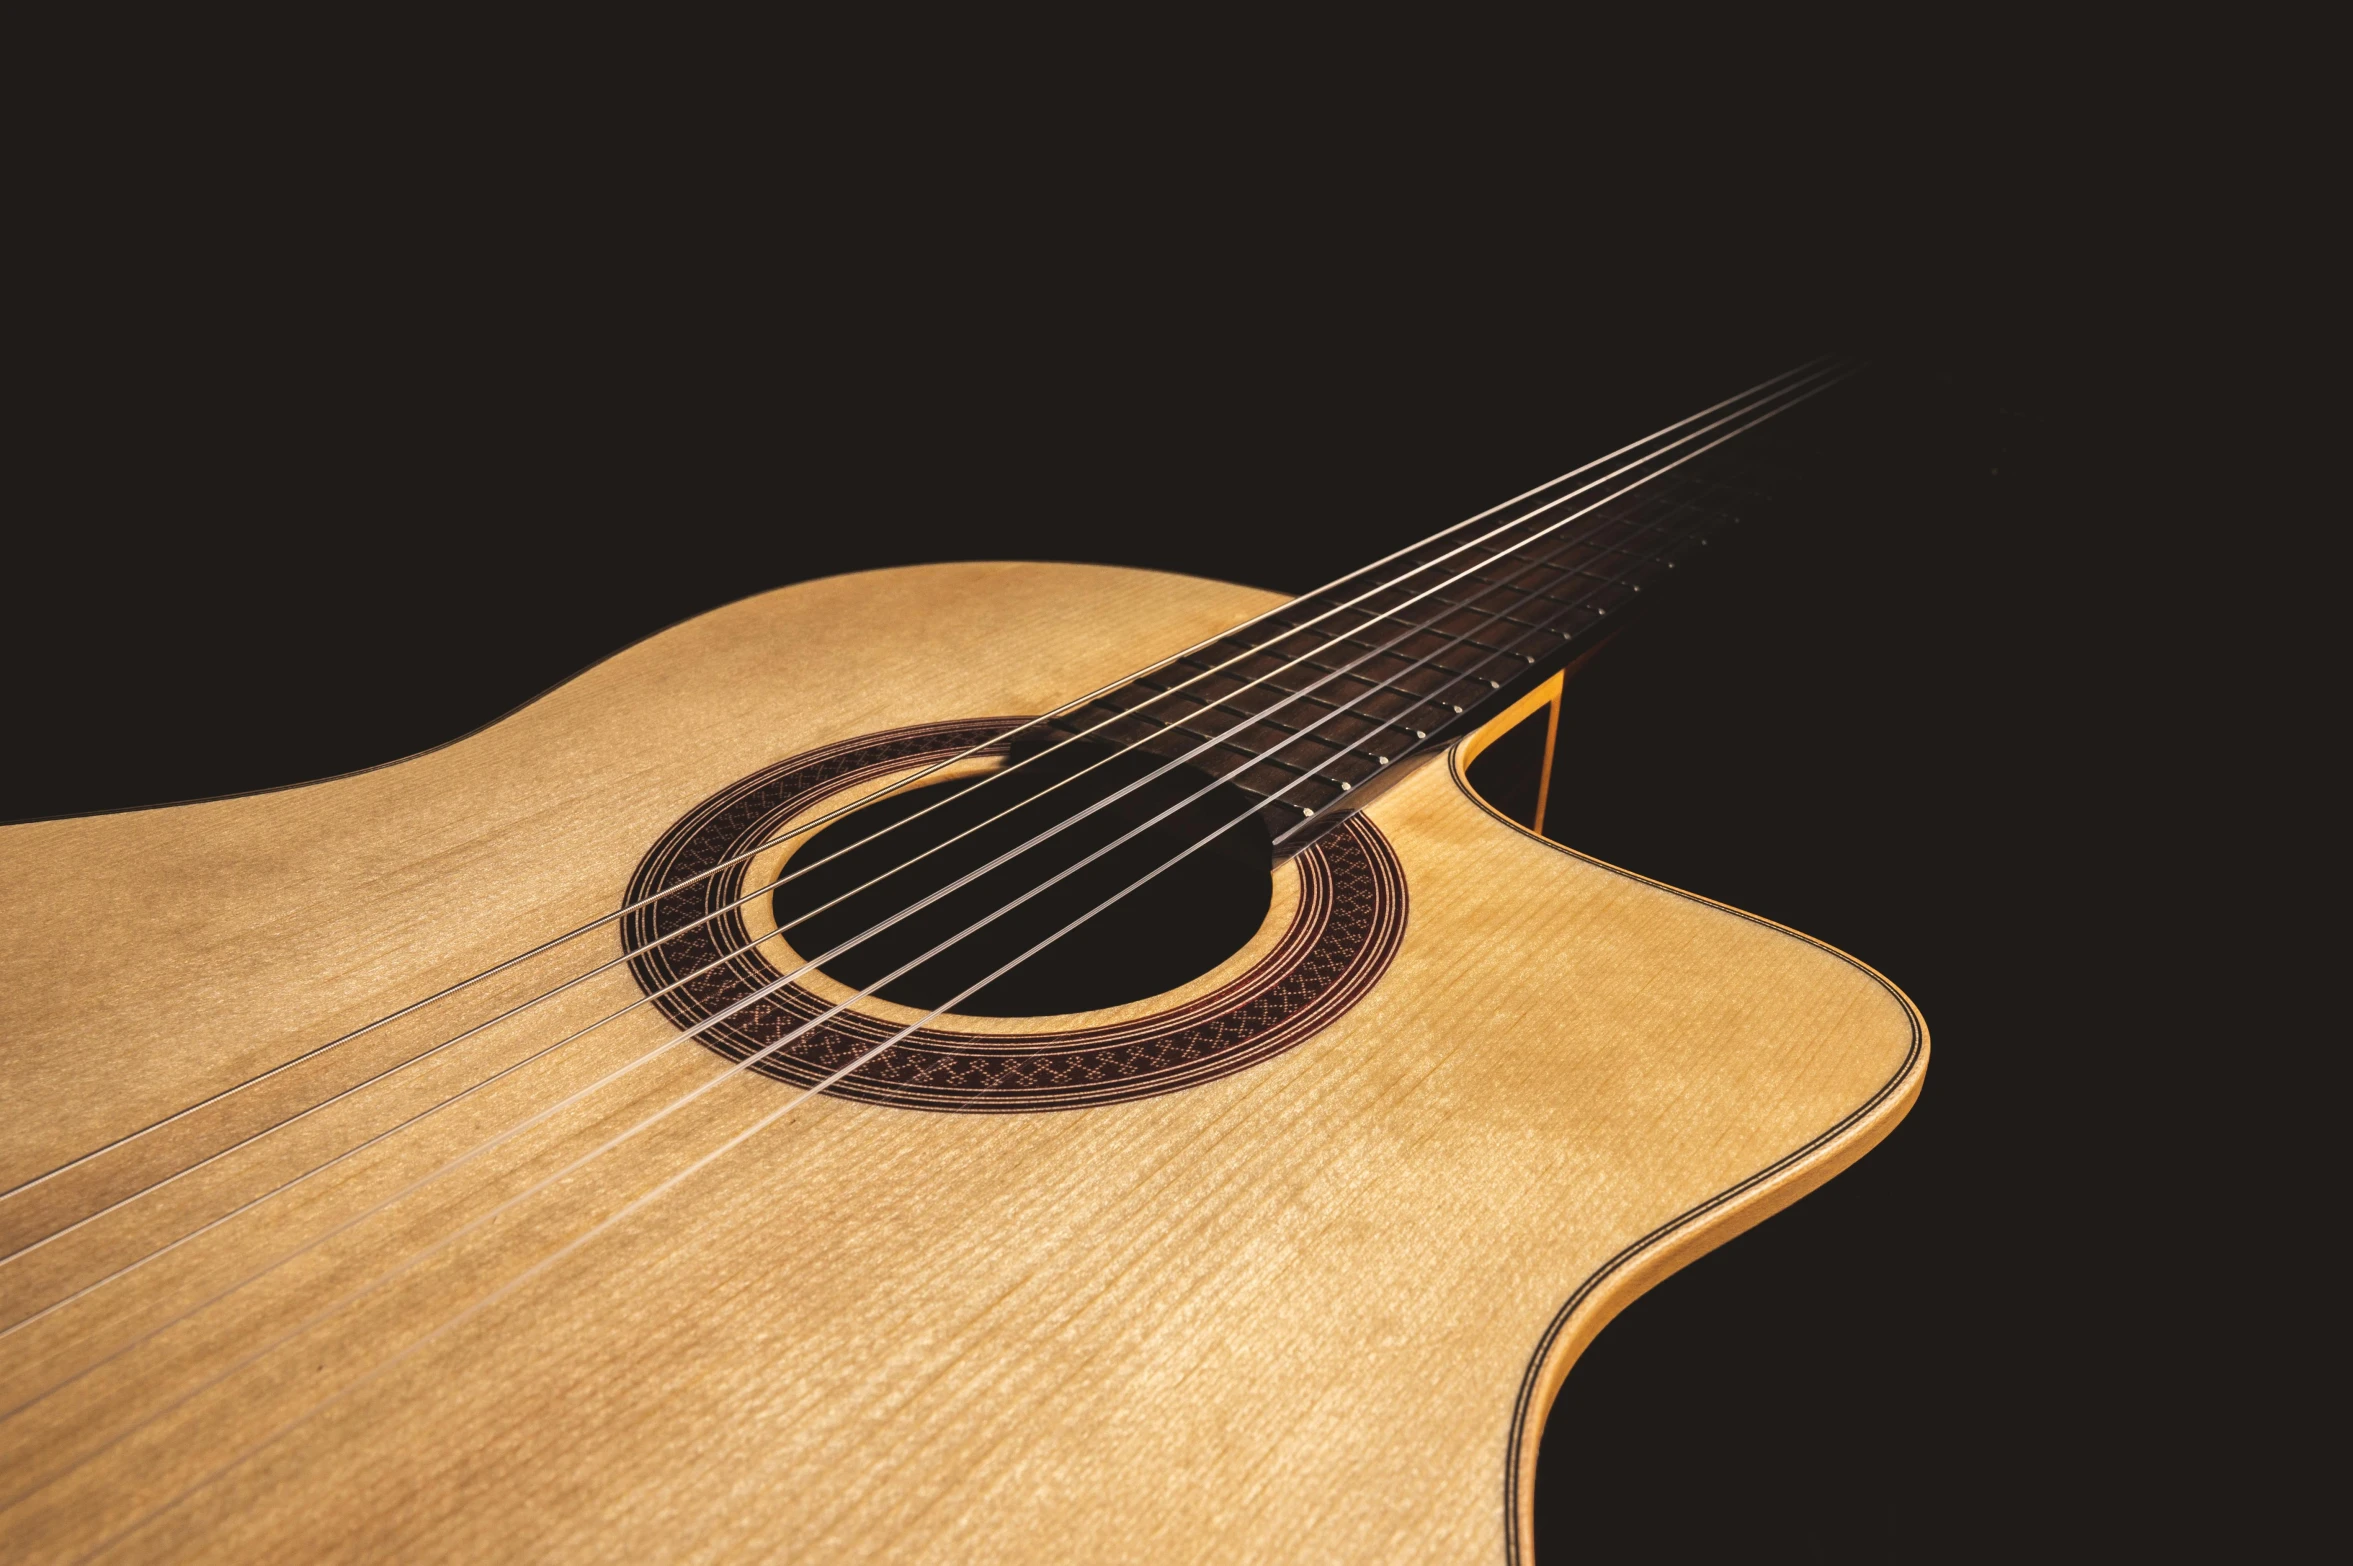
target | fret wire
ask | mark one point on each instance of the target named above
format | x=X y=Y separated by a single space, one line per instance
x=1479 y=574
x=1525 y=592
x=1361 y=642
x=1574 y=541
x=1244 y=712
x=1302 y=737
x=1385 y=692
x=1457 y=603
x=1392 y=652
x=1586 y=548
x=1319 y=700
x=1309 y=769
x=1219 y=705
x=1522 y=578
x=1658 y=517
x=1374 y=721
x=1385 y=615
x=1229 y=742
x=1624 y=547
x=1241 y=749
x=1312 y=696
x=1547 y=565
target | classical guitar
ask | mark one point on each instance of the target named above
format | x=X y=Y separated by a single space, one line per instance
x=968 y=1062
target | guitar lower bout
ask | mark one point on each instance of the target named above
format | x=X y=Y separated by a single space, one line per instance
x=1722 y=1216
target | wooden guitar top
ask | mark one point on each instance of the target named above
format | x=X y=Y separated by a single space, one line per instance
x=1313 y=1308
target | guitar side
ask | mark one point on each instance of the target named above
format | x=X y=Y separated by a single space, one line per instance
x=1314 y=1309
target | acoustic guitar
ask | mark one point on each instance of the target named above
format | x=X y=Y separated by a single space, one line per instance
x=980 y=1062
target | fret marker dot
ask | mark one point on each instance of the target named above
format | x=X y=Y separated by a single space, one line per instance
x=1457 y=706
x=1418 y=734
x=1382 y=760
x=1346 y=786
x=1303 y=810
x=1495 y=685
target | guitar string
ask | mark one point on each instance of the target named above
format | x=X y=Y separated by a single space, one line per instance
x=541 y=1116
x=569 y=984
x=698 y=1092
x=595 y=924
x=670 y=1183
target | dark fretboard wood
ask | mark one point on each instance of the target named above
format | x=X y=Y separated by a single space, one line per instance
x=1308 y=708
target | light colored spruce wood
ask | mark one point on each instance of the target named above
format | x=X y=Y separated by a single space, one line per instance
x=1314 y=1310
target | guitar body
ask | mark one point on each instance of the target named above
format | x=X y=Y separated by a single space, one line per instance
x=1302 y=1289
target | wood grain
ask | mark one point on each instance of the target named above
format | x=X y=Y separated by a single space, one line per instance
x=1315 y=1310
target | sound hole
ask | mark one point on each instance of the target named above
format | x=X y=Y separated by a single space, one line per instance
x=1207 y=860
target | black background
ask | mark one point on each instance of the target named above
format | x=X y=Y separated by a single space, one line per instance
x=329 y=456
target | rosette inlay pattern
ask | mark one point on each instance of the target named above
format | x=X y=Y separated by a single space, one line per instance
x=1349 y=920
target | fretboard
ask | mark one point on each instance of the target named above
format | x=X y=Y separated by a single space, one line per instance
x=1308 y=710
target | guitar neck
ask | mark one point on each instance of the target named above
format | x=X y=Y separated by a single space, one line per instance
x=1310 y=710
